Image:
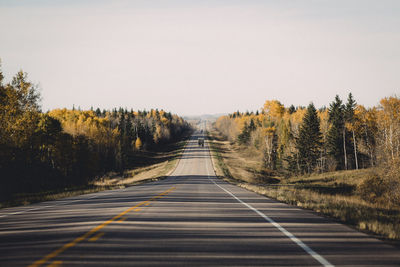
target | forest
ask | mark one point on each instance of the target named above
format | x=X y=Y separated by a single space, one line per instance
x=295 y=141
x=67 y=147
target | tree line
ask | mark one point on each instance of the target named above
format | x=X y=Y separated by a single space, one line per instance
x=66 y=147
x=299 y=140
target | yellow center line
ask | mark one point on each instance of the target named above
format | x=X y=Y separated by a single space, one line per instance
x=96 y=237
x=60 y=250
x=122 y=219
x=137 y=209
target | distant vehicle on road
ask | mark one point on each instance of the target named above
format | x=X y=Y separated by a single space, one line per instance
x=201 y=142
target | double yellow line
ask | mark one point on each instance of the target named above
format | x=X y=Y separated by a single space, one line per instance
x=56 y=252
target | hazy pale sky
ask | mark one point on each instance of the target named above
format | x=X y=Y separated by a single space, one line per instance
x=196 y=57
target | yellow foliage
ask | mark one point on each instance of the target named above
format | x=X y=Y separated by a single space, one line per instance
x=269 y=131
x=240 y=121
x=138 y=144
x=85 y=123
x=297 y=117
x=391 y=107
x=164 y=121
x=157 y=134
x=388 y=118
x=274 y=108
x=324 y=121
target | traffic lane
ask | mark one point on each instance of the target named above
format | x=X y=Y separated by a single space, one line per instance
x=12 y=211
x=196 y=224
x=102 y=206
x=25 y=237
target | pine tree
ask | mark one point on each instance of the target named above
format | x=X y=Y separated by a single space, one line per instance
x=308 y=142
x=98 y=112
x=335 y=139
x=292 y=109
x=252 y=125
x=244 y=136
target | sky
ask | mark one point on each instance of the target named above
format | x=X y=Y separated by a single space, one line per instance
x=202 y=57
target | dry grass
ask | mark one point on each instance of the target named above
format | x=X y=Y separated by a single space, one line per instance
x=245 y=163
x=351 y=177
x=138 y=175
x=333 y=194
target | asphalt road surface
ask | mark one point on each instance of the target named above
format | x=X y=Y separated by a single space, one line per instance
x=190 y=218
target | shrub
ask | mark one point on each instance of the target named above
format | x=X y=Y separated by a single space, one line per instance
x=373 y=189
x=383 y=187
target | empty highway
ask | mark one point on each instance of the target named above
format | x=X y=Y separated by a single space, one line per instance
x=191 y=218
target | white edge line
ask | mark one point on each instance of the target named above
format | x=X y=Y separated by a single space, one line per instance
x=292 y=237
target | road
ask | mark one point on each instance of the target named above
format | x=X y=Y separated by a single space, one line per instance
x=190 y=218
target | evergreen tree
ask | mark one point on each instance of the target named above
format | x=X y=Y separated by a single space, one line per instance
x=252 y=125
x=244 y=136
x=98 y=112
x=292 y=109
x=335 y=134
x=308 y=142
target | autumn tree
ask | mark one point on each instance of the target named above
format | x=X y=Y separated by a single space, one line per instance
x=274 y=109
x=366 y=129
x=350 y=124
x=19 y=147
x=61 y=148
x=270 y=139
x=390 y=126
x=138 y=144
x=323 y=115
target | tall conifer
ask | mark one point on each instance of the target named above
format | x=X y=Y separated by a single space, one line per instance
x=335 y=134
x=309 y=141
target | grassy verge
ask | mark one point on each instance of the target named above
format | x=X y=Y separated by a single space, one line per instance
x=222 y=169
x=151 y=167
x=333 y=194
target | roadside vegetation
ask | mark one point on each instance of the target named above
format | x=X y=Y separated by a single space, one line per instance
x=342 y=161
x=66 y=151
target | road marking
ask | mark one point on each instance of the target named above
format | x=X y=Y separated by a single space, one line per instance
x=292 y=237
x=50 y=206
x=55 y=264
x=96 y=237
x=138 y=209
x=60 y=250
x=122 y=219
